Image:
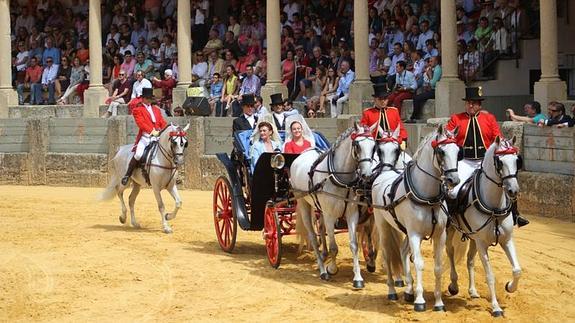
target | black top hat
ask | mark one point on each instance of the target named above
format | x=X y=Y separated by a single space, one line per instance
x=276 y=99
x=147 y=93
x=248 y=99
x=380 y=91
x=473 y=94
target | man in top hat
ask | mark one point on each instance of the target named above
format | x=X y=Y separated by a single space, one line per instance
x=247 y=121
x=277 y=107
x=382 y=117
x=477 y=131
x=149 y=120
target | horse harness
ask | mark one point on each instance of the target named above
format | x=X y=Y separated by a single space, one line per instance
x=151 y=152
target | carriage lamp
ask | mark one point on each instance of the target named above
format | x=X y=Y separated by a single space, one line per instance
x=277 y=161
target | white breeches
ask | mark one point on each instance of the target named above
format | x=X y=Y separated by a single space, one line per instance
x=465 y=167
x=142 y=144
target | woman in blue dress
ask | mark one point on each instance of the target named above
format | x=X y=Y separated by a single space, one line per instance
x=265 y=139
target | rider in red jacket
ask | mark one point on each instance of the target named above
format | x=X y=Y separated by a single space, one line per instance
x=382 y=117
x=149 y=119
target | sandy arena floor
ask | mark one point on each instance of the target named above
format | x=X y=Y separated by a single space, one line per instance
x=65 y=257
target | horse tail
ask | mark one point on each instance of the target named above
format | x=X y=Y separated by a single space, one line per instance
x=392 y=240
x=108 y=193
x=110 y=190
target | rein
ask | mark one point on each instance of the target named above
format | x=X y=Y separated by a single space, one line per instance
x=168 y=155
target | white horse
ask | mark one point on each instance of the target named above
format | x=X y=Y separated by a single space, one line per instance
x=483 y=215
x=162 y=163
x=329 y=178
x=412 y=202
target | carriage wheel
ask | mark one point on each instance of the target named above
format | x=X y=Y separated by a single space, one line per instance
x=272 y=235
x=225 y=219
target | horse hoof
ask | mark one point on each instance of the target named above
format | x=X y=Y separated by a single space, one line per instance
x=392 y=297
x=408 y=297
x=334 y=272
x=168 y=230
x=359 y=284
x=370 y=269
x=439 y=308
x=324 y=276
x=399 y=283
x=497 y=313
x=122 y=220
x=507 y=288
x=453 y=290
x=419 y=307
x=474 y=295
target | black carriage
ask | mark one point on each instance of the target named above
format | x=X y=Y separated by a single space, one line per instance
x=257 y=201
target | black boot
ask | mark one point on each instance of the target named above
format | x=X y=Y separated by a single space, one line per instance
x=517 y=218
x=133 y=163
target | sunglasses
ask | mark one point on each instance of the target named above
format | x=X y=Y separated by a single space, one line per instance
x=48 y=61
x=552 y=110
x=121 y=74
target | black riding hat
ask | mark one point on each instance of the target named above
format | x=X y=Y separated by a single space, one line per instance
x=473 y=94
x=276 y=99
x=147 y=93
x=248 y=99
x=380 y=91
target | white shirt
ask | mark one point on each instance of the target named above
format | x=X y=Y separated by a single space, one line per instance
x=251 y=119
x=150 y=111
x=138 y=86
x=49 y=74
x=20 y=58
x=262 y=111
x=291 y=9
x=201 y=70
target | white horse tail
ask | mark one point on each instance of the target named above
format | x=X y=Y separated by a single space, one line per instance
x=392 y=240
x=108 y=193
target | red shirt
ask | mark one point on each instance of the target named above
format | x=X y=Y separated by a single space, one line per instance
x=34 y=74
x=292 y=148
x=390 y=119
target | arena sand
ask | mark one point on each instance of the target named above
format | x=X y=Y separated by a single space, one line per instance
x=65 y=257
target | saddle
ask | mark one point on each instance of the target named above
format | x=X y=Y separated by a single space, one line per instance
x=146 y=159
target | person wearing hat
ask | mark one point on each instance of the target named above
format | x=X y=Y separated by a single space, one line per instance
x=167 y=85
x=149 y=120
x=477 y=130
x=278 y=113
x=246 y=121
x=381 y=117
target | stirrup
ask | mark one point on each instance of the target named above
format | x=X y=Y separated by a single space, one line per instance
x=125 y=180
x=521 y=221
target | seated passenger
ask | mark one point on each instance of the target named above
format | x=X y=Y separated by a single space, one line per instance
x=299 y=137
x=265 y=140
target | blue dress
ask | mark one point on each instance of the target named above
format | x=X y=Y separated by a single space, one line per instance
x=259 y=148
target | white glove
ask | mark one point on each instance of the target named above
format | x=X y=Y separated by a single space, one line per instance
x=403 y=145
x=155 y=133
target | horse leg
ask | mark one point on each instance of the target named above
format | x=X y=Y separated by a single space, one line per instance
x=352 y=230
x=509 y=248
x=405 y=256
x=438 y=247
x=165 y=225
x=304 y=212
x=471 y=269
x=490 y=277
x=330 y=261
x=453 y=287
x=176 y=195
x=132 y=201
x=415 y=244
x=366 y=240
x=322 y=234
x=386 y=252
x=120 y=194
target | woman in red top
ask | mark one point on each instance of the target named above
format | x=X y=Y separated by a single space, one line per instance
x=298 y=143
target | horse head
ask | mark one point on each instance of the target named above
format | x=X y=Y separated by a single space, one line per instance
x=446 y=155
x=363 y=148
x=389 y=148
x=506 y=163
x=175 y=136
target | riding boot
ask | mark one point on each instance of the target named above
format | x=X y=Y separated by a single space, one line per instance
x=133 y=164
x=517 y=218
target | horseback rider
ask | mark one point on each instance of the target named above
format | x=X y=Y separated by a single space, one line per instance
x=477 y=131
x=148 y=118
x=383 y=117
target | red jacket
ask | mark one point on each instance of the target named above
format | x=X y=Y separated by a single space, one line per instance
x=167 y=86
x=373 y=116
x=144 y=120
x=488 y=127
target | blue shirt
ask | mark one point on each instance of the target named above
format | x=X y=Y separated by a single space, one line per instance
x=345 y=82
x=216 y=89
x=250 y=85
x=51 y=52
x=258 y=149
x=406 y=80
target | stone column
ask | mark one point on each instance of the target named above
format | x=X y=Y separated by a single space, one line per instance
x=550 y=87
x=7 y=94
x=273 y=33
x=361 y=88
x=449 y=89
x=96 y=94
x=184 y=53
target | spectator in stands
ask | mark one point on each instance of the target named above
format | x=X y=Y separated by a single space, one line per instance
x=466 y=31
x=63 y=78
x=145 y=65
x=230 y=59
x=126 y=33
x=342 y=92
x=413 y=35
x=32 y=81
x=215 y=65
x=200 y=73
x=49 y=75
x=139 y=84
x=570 y=123
x=471 y=61
x=167 y=85
x=36 y=50
x=428 y=15
x=392 y=36
x=143 y=47
x=167 y=49
x=231 y=88
x=382 y=64
x=231 y=44
x=214 y=43
x=318 y=81
x=20 y=62
x=499 y=41
x=288 y=68
x=112 y=50
x=129 y=64
x=250 y=83
x=216 y=87
x=483 y=33
x=418 y=66
x=261 y=68
x=25 y=20
x=83 y=53
x=430 y=49
x=154 y=31
x=532 y=113
x=120 y=94
x=50 y=51
x=219 y=27
x=170 y=27
x=557 y=116
x=175 y=69
x=396 y=56
x=77 y=76
x=430 y=78
x=138 y=32
x=233 y=26
x=125 y=46
x=405 y=86
x=488 y=11
x=113 y=34
x=155 y=54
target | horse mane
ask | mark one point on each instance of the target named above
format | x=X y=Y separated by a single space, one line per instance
x=423 y=142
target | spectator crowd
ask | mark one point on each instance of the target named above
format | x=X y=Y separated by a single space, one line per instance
x=50 y=49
